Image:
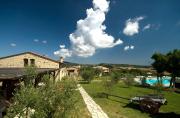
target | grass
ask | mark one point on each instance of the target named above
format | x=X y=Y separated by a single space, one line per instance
x=81 y=109
x=119 y=107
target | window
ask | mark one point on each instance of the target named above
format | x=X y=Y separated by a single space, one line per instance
x=25 y=62
x=32 y=62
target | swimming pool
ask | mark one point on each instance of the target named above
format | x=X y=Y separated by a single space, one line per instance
x=153 y=80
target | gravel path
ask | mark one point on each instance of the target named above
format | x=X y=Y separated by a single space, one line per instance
x=93 y=108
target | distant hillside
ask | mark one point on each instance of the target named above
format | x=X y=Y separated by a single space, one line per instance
x=123 y=65
x=69 y=64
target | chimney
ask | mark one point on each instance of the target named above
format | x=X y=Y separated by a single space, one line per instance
x=61 y=61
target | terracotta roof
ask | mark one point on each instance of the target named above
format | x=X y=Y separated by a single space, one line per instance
x=32 y=54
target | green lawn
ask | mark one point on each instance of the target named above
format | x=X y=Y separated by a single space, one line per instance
x=119 y=107
x=81 y=109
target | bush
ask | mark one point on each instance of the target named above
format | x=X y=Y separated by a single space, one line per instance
x=115 y=77
x=54 y=100
x=129 y=80
x=31 y=74
x=87 y=73
x=109 y=83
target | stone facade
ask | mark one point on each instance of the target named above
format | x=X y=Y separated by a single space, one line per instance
x=62 y=72
x=28 y=58
x=73 y=71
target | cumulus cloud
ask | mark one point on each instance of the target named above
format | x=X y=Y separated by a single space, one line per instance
x=62 y=46
x=90 y=34
x=13 y=44
x=44 y=41
x=131 y=47
x=63 y=52
x=36 y=40
x=147 y=27
x=132 y=26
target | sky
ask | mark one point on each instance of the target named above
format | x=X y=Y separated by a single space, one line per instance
x=90 y=31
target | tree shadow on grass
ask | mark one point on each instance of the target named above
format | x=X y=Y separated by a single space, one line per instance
x=83 y=82
x=165 y=115
x=132 y=105
x=141 y=86
x=110 y=97
x=106 y=95
x=123 y=87
x=158 y=115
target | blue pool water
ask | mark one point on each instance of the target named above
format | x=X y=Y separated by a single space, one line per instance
x=153 y=80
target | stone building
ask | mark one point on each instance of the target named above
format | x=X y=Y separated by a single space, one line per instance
x=13 y=71
x=26 y=59
x=104 y=70
x=73 y=71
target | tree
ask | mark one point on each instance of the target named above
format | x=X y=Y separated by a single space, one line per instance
x=97 y=72
x=115 y=77
x=87 y=73
x=169 y=62
x=31 y=74
x=54 y=100
x=129 y=79
x=173 y=65
x=160 y=65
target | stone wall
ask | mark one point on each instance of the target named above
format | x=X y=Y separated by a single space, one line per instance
x=62 y=72
x=18 y=61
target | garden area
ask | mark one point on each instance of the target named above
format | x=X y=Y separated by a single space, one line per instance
x=114 y=91
x=117 y=105
x=48 y=99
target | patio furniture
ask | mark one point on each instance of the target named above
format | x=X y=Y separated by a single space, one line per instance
x=149 y=103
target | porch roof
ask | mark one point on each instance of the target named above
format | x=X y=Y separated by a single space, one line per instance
x=16 y=73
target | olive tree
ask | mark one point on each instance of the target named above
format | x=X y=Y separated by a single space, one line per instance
x=160 y=65
x=53 y=100
x=173 y=65
x=87 y=73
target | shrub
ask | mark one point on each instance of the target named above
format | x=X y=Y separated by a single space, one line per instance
x=31 y=74
x=115 y=77
x=87 y=73
x=129 y=80
x=54 y=100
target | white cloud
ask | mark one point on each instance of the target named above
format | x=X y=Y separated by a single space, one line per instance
x=13 y=44
x=62 y=46
x=147 y=27
x=102 y=5
x=132 y=26
x=131 y=47
x=63 y=52
x=126 y=48
x=36 y=40
x=44 y=41
x=90 y=34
